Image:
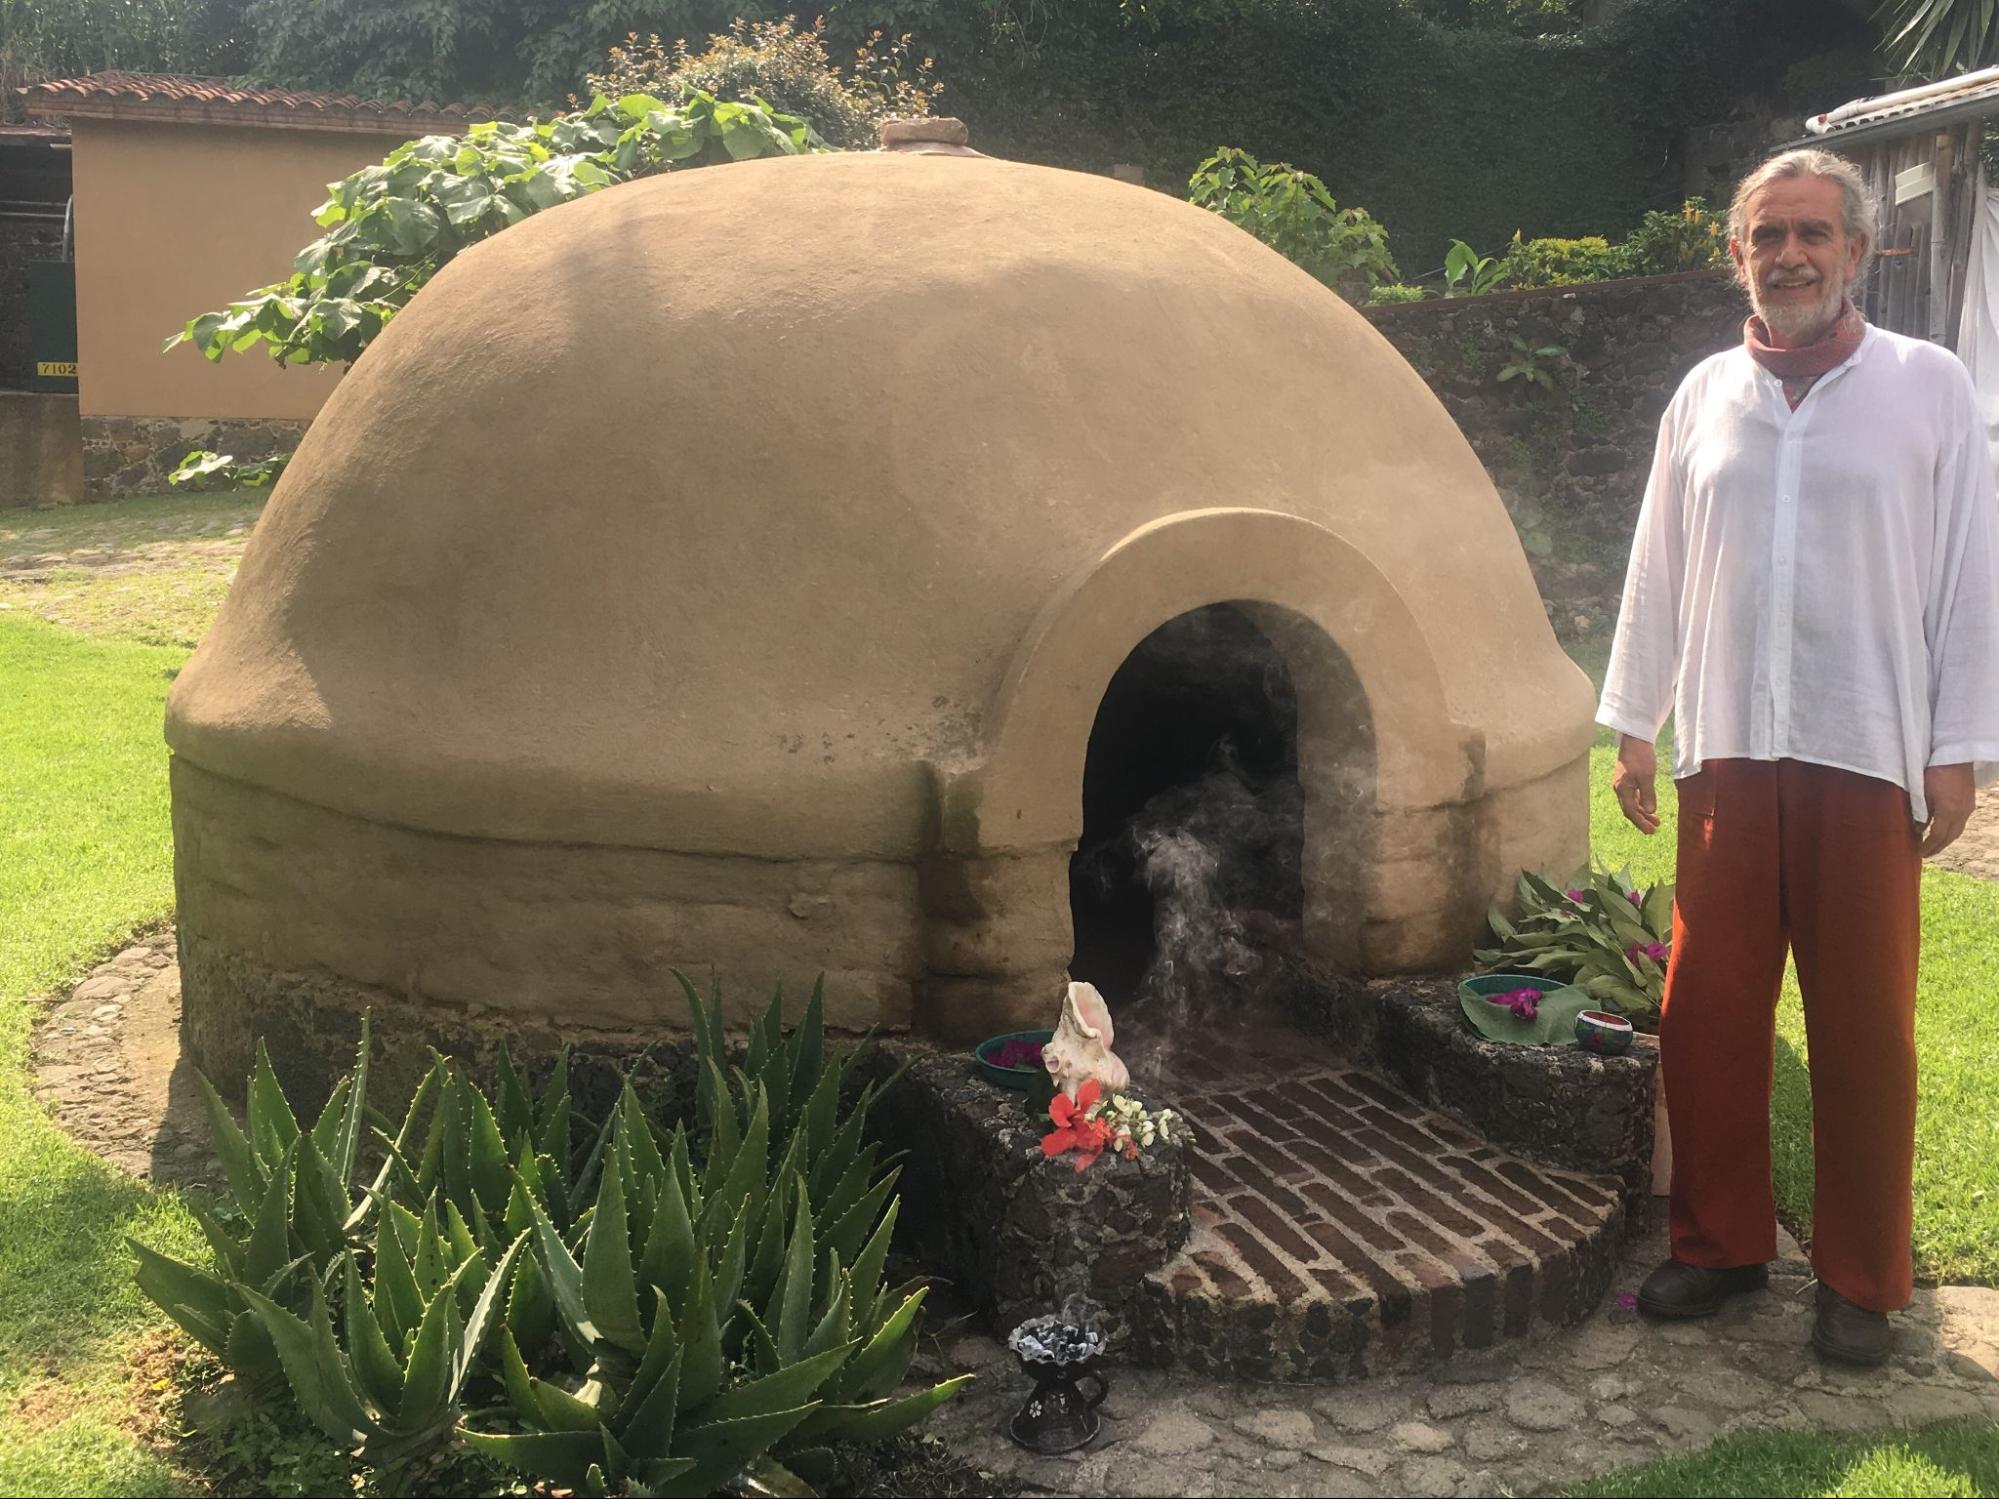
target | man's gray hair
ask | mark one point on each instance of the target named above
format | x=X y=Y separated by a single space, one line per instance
x=1861 y=217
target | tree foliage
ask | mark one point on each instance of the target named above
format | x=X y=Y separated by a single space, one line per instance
x=1937 y=38
x=786 y=66
x=41 y=39
x=1292 y=212
x=390 y=227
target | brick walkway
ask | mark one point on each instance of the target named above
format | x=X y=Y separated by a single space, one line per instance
x=1342 y=1228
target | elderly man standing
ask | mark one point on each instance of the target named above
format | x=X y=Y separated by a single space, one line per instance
x=1814 y=591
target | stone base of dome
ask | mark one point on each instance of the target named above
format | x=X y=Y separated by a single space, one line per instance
x=295 y=920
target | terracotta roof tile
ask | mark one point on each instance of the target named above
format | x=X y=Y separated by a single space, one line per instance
x=175 y=97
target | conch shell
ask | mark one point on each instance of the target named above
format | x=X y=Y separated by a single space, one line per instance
x=1081 y=1047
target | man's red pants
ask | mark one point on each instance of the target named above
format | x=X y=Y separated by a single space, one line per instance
x=1777 y=852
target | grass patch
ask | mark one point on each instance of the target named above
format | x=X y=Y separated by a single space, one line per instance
x=152 y=571
x=1938 y=1462
x=84 y=859
x=1957 y=1153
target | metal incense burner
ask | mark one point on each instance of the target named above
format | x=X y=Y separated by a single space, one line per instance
x=1057 y=1354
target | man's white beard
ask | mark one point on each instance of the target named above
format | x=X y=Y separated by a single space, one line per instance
x=1800 y=319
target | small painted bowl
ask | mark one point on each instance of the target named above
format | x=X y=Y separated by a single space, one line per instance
x=1605 y=1034
x=1009 y=1077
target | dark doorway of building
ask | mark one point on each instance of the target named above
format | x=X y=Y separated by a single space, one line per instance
x=1186 y=881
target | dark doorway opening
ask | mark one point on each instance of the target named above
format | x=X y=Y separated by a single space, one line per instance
x=1186 y=883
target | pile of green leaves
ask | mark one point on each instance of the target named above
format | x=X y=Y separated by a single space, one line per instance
x=612 y=1308
x=1599 y=931
x=392 y=226
x=1292 y=212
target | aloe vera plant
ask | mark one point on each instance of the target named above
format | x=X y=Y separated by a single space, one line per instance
x=390 y=1388
x=659 y=1311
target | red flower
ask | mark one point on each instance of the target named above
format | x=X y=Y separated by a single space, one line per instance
x=1087 y=1137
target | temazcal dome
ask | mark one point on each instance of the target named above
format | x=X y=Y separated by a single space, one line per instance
x=724 y=572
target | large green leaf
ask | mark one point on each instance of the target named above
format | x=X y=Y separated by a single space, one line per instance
x=1554 y=1023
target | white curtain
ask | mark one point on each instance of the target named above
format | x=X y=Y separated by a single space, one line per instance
x=1978 y=332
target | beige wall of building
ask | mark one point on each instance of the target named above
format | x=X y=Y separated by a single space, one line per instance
x=175 y=220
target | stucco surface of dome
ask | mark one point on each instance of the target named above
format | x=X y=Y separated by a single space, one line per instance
x=710 y=512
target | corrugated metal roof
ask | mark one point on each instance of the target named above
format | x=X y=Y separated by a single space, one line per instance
x=1909 y=110
x=174 y=97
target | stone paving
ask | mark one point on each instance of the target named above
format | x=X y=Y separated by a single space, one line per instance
x=1527 y=1419
x=1546 y=1411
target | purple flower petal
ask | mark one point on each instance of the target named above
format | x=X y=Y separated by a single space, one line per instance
x=1575 y=897
x=1627 y=1301
x=1637 y=897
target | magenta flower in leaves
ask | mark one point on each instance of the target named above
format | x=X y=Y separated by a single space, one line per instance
x=1575 y=897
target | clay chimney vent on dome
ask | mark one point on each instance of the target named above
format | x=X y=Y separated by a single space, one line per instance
x=931 y=137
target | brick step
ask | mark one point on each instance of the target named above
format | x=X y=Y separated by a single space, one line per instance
x=1340 y=1228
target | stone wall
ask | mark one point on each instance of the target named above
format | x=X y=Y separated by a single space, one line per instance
x=23 y=242
x=1570 y=459
x=40 y=463
x=134 y=454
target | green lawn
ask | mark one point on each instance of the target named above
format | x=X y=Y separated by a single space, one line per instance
x=85 y=859
x=1957 y=1151
x=1942 y=1462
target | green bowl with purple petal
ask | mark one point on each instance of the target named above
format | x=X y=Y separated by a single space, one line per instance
x=1012 y=1060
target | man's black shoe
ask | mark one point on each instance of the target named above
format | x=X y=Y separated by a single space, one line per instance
x=1849 y=1332
x=1680 y=1290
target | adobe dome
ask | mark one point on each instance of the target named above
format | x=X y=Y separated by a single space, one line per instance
x=725 y=569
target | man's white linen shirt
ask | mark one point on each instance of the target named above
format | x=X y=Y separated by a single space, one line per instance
x=1819 y=584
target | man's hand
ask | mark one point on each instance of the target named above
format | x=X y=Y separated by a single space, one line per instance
x=1951 y=795
x=1635 y=778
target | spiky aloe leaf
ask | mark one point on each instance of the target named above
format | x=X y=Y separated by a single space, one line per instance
x=377 y=1370
x=880 y=1365
x=719 y=1448
x=198 y=1301
x=877 y=1420
x=561 y=1458
x=313 y=1365
x=866 y=1276
x=395 y=1155
x=270 y=1244
x=340 y=1141
x=565 y=1278
x=610 y=1289
x=398 y=1302
x=786 y=1389
x=668 y=1258
x=790 y=1308
x=246 y=1173
x=836 y=1321
x=427 y=1380
x=645 y=1425
x=513 y=1104
x=749 y=1166
x=228 y=1249
x=272 y=1126
x=851 y=1229
x=700 y=1326
x=319 y=1203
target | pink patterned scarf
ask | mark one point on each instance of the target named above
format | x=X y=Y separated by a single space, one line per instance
x=1799 y=367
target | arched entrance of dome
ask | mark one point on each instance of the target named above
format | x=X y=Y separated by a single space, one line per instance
x=1186 y=881
x=1376 y=756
